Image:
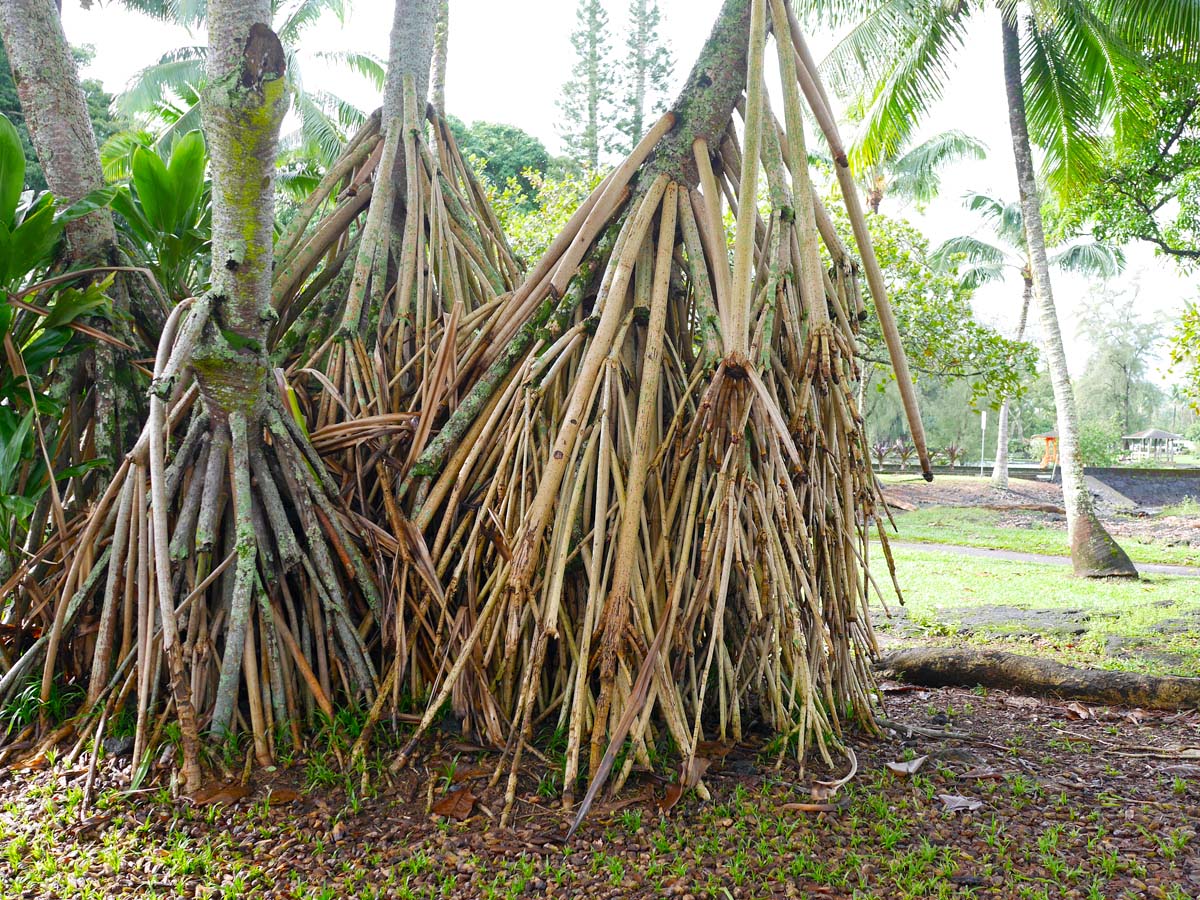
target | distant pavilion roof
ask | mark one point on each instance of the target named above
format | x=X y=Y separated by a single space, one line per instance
x=1047 y=435
x=1153 y=434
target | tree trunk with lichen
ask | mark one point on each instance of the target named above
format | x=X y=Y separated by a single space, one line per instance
x=1000 y=470
x=1094 y=553
x=60 y=128
x=244 y=104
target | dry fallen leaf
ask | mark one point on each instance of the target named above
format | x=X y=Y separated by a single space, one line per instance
x=219 y=793
x=956 y=803
x=910 y=767
x=812 y=807
x=673 y=795
x=1076 y=710
x=279 y=796
x=457 y=804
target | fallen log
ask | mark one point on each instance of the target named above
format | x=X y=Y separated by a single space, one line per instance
x=942 y=667
x=1025 y=507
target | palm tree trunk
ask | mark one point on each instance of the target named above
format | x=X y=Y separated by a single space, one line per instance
x=1093 y=551
x=1000 y=470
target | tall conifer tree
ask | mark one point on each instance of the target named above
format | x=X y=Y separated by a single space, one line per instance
x=586 y=96
x=646 y=73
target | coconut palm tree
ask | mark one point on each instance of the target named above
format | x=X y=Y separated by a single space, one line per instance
x=914 y=173
x=1071 y=68
x=980 y=261
x=168 y=91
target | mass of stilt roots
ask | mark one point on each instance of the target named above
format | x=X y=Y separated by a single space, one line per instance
x=654 y=523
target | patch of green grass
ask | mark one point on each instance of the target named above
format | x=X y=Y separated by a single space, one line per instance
x=1188 y=506
x=1155 y=620
x=968 y=527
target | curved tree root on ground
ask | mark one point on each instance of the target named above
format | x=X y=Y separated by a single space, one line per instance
x=939 y=667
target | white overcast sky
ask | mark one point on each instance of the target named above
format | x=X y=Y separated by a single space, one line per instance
x=508 y=59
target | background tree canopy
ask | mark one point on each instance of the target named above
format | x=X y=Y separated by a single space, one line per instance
x=505 y=151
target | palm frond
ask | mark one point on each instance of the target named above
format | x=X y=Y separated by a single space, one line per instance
x=187 y=13
x=966 y=248
x=1005 y=219
x=116 y=152
x=915 y=175
x=364 y=64
x=156 y=83
x=319 y=131
x=1062 y=114
x=1156 y=26
x=1109 y=68
x=906 y=50
x=306 y=14
x=1093 y=259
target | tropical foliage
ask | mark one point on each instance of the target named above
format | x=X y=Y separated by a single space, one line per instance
x=166 y=94
x=38 y=325
x=941 y=333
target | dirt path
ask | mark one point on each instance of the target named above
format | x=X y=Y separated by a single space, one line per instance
x=1015 y=556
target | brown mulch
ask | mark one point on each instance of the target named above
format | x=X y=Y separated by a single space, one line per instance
x=971 y=492
x=1044 y=799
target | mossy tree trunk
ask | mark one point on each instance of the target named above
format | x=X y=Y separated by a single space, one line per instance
x=1093 y=551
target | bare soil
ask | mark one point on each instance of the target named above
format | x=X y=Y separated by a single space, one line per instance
x=971 y=492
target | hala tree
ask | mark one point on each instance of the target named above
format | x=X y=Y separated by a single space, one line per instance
x=586 y=99
x=652 y=413
x=1067 y=69
x=979 y=262
x=645 y=72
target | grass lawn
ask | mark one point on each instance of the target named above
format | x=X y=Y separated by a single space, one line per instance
x=967 y=527
x=1150 y=625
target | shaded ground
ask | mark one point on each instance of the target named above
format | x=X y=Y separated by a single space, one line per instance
x=1052 y=801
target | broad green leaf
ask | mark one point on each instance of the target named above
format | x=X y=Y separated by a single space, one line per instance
x=155 y=189
x=89 y=203
x=12 y=170
x=71 y=303
x=12 y=448
x=6 y=258
x=43 y=348
x=188 y=160
x=31 y=245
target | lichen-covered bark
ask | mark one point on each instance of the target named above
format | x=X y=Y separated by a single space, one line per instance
x=703 y=107
x=244 y=104
x=56 y=115
x=1093 y=551
x=441 y=47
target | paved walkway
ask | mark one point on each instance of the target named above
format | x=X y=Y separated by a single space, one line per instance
x=1016 y=556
